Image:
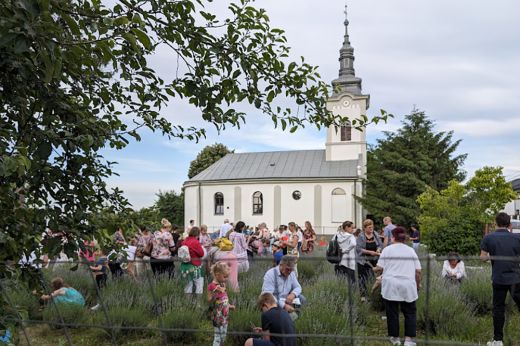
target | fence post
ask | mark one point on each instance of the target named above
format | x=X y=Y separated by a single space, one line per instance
x=53 y=303
x=155 y=301
x=99 y=300
x=427 y=311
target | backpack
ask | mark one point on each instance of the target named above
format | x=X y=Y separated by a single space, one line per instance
x=184 y=254
x=333 y=251
x=224 y=244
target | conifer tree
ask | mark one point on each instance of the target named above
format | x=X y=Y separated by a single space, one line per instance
x=404 y=163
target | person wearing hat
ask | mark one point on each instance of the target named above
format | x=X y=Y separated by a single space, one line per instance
x=453 y=269
x=277 y=253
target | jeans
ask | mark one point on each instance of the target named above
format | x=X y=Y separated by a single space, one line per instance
x=220 y=335
x=163 y=266
x=365 y=273
x=499 y=306
x=350 y=274
x=409 y=311
x=197 y=283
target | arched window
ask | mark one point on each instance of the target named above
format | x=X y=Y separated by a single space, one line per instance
x=258 y=203
x=219 y=203
x=339 y=205
x=346 y=132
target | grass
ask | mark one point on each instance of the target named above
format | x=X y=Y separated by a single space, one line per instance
x=454 y=313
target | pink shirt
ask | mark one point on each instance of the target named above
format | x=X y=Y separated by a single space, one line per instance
x=239 y=244
x=162 y=241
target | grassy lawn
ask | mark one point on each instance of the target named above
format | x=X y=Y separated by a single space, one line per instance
x=455 y=314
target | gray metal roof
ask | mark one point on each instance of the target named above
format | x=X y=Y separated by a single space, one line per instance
x=516 y=184
x=277 y=164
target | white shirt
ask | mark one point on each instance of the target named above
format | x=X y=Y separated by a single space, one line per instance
x=347 y=244
x=224 y=229
x=459 y=271
x=130 y=252
x=399 y=262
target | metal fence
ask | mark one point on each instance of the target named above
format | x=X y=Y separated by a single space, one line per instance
x=430 y=268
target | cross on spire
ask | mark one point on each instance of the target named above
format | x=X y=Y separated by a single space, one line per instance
x=347 y=80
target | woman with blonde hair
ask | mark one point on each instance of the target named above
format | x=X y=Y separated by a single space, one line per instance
x=161 y=248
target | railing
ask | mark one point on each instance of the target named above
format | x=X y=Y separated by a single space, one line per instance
x=318 y=282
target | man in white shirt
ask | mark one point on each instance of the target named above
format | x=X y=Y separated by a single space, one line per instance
x=225 y=228
x=401 y=280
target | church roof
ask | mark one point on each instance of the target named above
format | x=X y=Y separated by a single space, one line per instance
x=516 y=184
x=277 y=165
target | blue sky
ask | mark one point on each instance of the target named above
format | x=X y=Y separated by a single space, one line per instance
x=459 y=61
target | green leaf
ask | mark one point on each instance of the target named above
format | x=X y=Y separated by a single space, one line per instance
x=71 y=23
x=143 y=38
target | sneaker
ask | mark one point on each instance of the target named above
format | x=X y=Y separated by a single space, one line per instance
x=395 y=340
x=495 y=343
x=409 y=343
x=95 y=307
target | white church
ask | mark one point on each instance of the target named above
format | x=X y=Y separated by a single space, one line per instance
x=282 y=186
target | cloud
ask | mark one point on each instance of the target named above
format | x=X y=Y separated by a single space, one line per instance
x=142 y=165
x=481 y=128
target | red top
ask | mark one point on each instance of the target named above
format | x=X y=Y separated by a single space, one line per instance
x=196 y=250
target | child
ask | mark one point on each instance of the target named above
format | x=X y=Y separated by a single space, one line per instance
x=277 y=253
x=99 y=270
x=219 y=303
x=63 y=293
x=275 y=320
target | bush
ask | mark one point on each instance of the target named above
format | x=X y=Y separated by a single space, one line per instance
x=121 y=318
x=23 y=301
x=70 y=313
x=240 y=321
x=448 y=313
x=187 y=319
x=477 y=290
x=306 y=270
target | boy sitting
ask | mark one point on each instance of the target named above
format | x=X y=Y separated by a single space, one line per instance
x=275 y=320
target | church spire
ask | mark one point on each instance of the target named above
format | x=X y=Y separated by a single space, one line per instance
x=347 y=80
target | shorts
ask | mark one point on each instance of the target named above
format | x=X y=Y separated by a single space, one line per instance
x=262 y=342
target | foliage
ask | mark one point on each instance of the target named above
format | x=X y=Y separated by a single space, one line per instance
x=453 y=219
x=56 y=314
x=170 y=205
x=188 y=319
x=206 y=157
x=403 y=164
x=446 y=303
x=75 y=79
x=477 y=292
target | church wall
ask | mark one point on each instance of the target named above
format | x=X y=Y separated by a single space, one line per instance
x=298 y=211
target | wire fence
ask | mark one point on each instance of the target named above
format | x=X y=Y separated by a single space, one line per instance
x=352 y=333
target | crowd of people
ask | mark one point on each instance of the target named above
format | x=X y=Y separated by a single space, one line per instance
x=364 y=256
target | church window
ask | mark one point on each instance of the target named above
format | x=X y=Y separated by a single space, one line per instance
x=296 y=195
x=346 y=133
x=258 y=203
x=339 y=205
x=219 y=203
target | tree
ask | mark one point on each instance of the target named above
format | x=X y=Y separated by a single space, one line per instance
x=454 y=218
x=75 y=78
x=207 y=156
x=405 y=163
x=170 y=205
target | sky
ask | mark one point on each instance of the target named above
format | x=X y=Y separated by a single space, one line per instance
x=459 y=61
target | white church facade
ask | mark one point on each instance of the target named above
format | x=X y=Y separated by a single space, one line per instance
x=278 y=187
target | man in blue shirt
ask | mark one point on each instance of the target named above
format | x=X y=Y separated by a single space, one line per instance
x=282 y=283
x=503 y=248
x=389 y=227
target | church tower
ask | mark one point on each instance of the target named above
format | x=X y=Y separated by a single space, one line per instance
x=345 y=142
